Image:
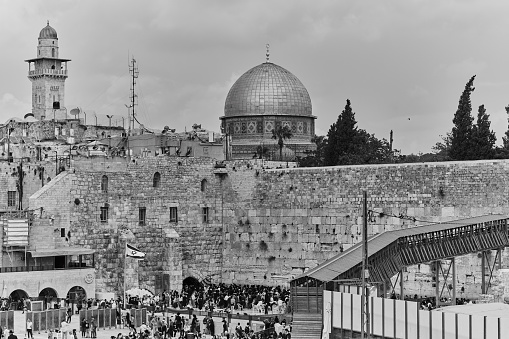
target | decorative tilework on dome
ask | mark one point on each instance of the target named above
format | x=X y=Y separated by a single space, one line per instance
x=265 y=90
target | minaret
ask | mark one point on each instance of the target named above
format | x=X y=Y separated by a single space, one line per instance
x=47 y=73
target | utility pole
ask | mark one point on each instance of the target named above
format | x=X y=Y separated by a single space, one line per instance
x=365 y=272
x=128 y=154
x=109 y=135
x=133 y=69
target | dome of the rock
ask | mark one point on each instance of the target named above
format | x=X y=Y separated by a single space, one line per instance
x=260 y=104
x=268 y=89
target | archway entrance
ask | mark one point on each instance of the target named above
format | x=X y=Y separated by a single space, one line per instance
x=75 y=298
x=49 y=297
x=191 y=286
x=17 y=297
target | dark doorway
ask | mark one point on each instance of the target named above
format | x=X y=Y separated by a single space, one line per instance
x=49 y=297
x=16 y=299
x=76 y=297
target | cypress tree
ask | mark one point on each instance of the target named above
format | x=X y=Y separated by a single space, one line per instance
x=462 y=130
x=483 y=140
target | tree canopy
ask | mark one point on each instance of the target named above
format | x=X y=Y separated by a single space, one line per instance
x=281 y=133
x=349 y=145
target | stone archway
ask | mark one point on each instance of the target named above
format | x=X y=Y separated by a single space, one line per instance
x=16 y=297
x=190 y=285
x=191 y=281
x=75 y=297
x=49 y=297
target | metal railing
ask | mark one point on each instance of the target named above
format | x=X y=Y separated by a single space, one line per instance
x=39 y=268
x=48 y=71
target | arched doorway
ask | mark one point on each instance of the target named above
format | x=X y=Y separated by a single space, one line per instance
x=16 y=298
x=49 y=297
x=76 y=297
x=191 y=285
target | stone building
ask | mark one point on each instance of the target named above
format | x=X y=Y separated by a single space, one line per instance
x=265 y=97
x=48 y=73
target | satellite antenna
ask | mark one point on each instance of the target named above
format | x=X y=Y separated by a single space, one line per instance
x=74 y=111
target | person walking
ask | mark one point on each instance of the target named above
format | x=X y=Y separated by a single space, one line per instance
x=69 y=315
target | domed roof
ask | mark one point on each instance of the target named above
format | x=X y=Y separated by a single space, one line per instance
x=265 y=90
x=48 y=32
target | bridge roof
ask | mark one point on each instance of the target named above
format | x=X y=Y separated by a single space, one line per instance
x=391 y=248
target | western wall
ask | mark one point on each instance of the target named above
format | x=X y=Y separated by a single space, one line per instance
x=264 y=225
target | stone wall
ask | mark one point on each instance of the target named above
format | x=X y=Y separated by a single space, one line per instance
x=266 y=225
x=35 y=175
x=286 y=221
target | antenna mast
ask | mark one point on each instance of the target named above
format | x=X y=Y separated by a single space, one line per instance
x=133 y=70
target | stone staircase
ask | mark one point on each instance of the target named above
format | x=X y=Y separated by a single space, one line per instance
x=307 y=326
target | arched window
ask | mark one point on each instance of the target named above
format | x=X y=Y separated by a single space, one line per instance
x=156 y=180
x=104 y=183
x=52 y=52
x=204 y=185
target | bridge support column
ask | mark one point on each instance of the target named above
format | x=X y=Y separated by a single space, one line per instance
x=437 y=283
x=453 y=263
x=401 y=286
x=483 y=272
x=500 y=258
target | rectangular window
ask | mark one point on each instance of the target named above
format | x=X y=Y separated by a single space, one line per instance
x=205 y=214
x=104 y=214
x=62 y=232
x=142 y=215
x=11 y=198
x=173 y=214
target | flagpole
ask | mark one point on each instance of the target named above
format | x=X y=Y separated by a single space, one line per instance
x=125 y=258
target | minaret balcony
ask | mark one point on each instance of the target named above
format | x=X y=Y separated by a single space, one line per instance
x=49 y=71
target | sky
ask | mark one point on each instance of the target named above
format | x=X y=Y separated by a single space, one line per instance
x=403 y=64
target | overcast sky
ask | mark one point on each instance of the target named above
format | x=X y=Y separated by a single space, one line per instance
x=403 y=64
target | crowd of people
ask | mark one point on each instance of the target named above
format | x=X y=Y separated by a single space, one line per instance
x=215 y=297
x=262 y=299
x=179 y=326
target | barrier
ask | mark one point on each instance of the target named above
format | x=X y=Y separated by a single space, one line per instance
x=231 y=316
x=390 y=318
x=7 y=319
x=45 y=320
x=104 y=317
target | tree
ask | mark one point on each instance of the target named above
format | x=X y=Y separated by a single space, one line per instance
x=348 y=145
x=314 y=158
x=483 y=140
x=505 y=138
x=443 y=148
x=280 y=133
x=462 y=129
